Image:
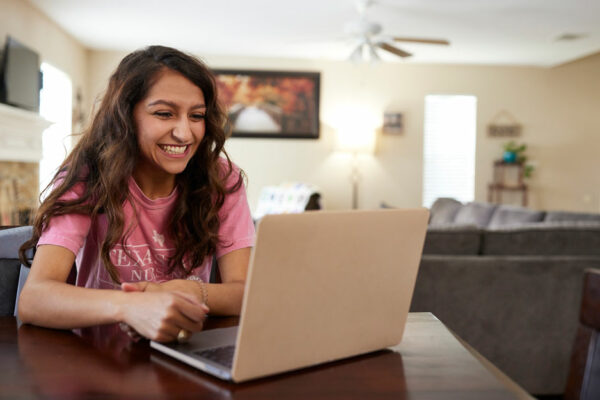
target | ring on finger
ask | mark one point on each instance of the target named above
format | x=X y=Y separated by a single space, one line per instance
x=183 y=335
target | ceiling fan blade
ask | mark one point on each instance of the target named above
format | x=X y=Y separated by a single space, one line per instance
x=357 y=54
x=419 y=40
x=373 y=54
x=392 y=49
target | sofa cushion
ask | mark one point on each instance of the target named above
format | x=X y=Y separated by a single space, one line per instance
x=443 y=211
x=452 y=239
x=546 y=239
x=511 y=216
x=564 y=216
x=475 y=213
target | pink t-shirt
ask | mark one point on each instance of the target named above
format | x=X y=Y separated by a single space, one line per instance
x=145 y=253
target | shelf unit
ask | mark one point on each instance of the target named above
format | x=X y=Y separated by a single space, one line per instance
x=500 y=185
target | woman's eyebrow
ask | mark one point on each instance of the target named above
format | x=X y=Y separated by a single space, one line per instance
x=174 y=105
x=165 y=102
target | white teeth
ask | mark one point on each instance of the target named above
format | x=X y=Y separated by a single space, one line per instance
x=174 y=149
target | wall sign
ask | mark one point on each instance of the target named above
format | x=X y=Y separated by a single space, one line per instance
x=504 y=125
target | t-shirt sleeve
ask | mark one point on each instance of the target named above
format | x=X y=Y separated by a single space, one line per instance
x=237 y=228
x=70 y=230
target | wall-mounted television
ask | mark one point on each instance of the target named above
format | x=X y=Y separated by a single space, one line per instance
x=20 y=76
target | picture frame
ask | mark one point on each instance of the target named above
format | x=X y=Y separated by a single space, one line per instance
x=393 y=123
x=270 y=104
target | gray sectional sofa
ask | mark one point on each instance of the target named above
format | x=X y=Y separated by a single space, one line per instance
x=508 y=281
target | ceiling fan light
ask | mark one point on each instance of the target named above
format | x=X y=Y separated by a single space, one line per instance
x=362 y=28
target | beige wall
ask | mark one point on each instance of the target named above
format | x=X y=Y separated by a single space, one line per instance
x=557 y=108
x=29 y=26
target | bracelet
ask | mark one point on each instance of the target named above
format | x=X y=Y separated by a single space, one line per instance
x=202 y=287
x=204 y=293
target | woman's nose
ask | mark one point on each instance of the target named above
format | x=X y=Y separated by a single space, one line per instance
x=182 y=131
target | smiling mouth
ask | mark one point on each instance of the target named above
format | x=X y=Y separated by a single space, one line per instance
x=171 y=149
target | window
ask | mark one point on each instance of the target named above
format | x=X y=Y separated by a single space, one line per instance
x=55 y=106
x=449 y=147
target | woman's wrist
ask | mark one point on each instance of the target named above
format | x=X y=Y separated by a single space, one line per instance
x=119 y=304
x=202 y=284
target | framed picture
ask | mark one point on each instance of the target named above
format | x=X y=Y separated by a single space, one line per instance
x=270 y=104
x=393 y=123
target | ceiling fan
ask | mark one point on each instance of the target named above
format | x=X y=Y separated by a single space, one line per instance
x=367 y=35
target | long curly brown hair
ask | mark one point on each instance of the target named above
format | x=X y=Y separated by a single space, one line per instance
x=107 y=153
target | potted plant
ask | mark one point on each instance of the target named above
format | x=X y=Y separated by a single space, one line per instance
x=515 y=153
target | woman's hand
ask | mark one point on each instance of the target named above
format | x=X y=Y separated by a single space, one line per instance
x=161 y=315
x=224 y=298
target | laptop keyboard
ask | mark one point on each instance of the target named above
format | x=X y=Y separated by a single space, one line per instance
x=221 y=355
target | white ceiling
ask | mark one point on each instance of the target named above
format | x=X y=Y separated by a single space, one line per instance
x=522 y=32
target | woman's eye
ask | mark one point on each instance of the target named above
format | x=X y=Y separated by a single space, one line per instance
x=198 y=116
x=163 y=114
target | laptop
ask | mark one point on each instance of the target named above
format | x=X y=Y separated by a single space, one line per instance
x=321 y=286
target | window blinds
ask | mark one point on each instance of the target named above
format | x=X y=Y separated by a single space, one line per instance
x=449 y=147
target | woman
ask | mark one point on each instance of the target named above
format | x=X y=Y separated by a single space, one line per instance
x=142 y=204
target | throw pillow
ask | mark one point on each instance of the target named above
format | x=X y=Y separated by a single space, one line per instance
x=475 y=213
x=511 y=216
x=443 y=211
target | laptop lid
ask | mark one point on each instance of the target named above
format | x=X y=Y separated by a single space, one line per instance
x=327 y=285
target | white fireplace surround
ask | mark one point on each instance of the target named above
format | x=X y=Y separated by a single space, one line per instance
x=21 y=134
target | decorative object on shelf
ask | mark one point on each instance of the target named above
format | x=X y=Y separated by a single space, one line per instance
x=271 y=104
x=510 y=173
x=509 y=157
x=504 y=125
x=393 y=123
x=515 y=153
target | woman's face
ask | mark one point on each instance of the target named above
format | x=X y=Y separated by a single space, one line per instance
x=170 y=125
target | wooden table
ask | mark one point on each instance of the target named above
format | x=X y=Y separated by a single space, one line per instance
x=101 y=362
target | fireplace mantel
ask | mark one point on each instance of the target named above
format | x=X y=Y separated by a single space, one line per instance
x=21 y=134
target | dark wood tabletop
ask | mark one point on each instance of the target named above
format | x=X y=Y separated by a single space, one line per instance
x=103 y=363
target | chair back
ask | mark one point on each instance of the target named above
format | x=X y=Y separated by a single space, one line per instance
x=12 y=274
x=583 y=382
x=287 y=198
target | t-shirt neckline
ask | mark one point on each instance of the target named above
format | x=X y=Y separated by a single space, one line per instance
x=161 y=202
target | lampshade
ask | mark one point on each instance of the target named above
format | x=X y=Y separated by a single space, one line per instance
x=356 y=140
